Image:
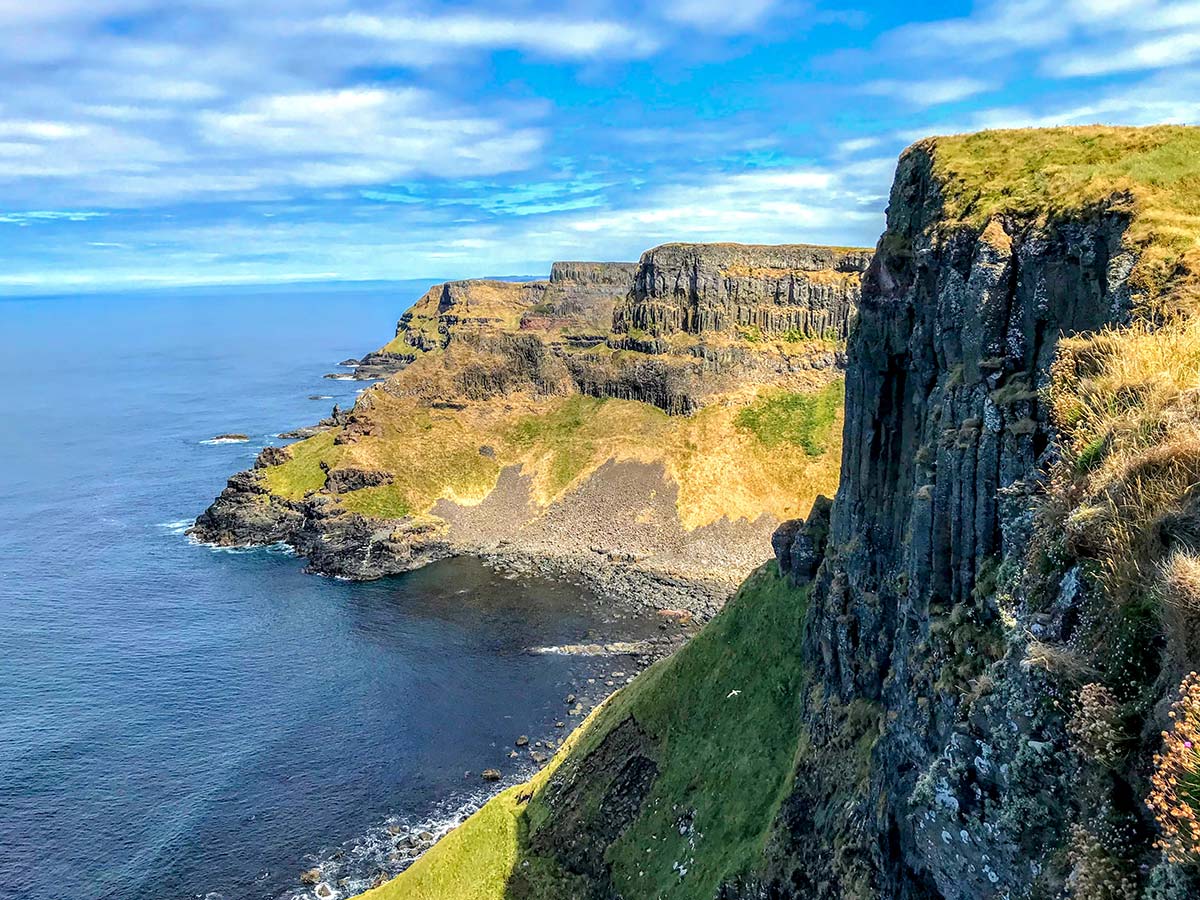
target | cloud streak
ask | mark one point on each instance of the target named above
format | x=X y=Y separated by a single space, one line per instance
x=551 y=36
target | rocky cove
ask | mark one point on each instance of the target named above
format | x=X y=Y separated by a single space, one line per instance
x=620 y=424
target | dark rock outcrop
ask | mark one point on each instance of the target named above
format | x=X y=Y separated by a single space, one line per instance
x=343 y=481
x=334 y=541
x=945 y=440
x=272 y=456
x=799 y=545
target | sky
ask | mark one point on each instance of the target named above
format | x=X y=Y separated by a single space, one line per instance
x=150 y=143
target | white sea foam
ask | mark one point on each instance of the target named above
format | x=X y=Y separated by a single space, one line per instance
x=278 y=547
x=223 y=440
x=340 y=377
x=352 y=867
x=612 y=648
x=178 y=527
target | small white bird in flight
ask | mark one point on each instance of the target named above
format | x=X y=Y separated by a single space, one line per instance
x=732 y=694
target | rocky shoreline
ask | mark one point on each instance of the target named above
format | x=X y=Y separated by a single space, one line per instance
x=351 y=546
x=653 y=516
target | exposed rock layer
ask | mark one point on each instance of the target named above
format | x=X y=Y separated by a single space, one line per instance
x=704 y=289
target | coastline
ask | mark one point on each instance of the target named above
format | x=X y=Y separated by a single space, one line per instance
x=354 y=547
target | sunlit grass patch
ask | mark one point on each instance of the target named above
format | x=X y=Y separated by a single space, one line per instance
x=803 y=420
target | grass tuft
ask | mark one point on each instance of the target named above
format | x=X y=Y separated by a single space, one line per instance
x=802 y=420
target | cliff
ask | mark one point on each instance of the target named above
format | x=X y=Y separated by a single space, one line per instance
x=516 y=423
x=712 y=289
x=962 y=678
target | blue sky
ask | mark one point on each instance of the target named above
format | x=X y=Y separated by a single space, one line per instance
x=150 y=143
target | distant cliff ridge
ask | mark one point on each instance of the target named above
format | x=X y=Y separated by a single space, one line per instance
x=576 y=303
x=709 y=289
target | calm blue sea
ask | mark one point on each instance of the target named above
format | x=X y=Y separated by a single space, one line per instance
x=180 y=722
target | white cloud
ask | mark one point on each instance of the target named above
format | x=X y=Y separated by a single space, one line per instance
x=857 y=145
x=1172 y=99
x=928 y=93
x=813 y=205
x=1137 y=34
x=370 y=135
x=1164 y=52
x=540 y=36
x=49 y=215
x=720 y=17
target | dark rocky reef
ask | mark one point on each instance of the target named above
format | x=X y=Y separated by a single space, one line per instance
x=335 y=542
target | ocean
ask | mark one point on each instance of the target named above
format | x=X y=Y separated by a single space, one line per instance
x=182 y=722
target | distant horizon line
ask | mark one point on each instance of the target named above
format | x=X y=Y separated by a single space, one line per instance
x=59 y=291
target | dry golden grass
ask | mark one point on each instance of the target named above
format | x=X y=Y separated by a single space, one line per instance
x=1127 y=404
x=1152 y=173
x=1181 y=581
x=723 y=470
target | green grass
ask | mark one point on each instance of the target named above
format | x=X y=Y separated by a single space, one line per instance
x=562 y=436
x=473 y=862
x=387 y=501
x=801 y=419
x=567 y=436
x=303 y=473
x=728 y=760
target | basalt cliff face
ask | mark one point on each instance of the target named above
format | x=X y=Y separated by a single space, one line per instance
x=704 y=317
x=523 y=422
x=726 y=288
x=954 y=683
x=946 y=444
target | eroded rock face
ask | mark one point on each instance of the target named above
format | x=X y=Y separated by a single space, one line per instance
x=945 y=437
x=587 y=291
x=345 y=480
x=718 y=288
x=578 y=295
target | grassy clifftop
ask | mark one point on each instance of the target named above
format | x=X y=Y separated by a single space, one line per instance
x=1150 y=173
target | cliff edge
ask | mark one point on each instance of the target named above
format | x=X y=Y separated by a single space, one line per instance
x=967 y=676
